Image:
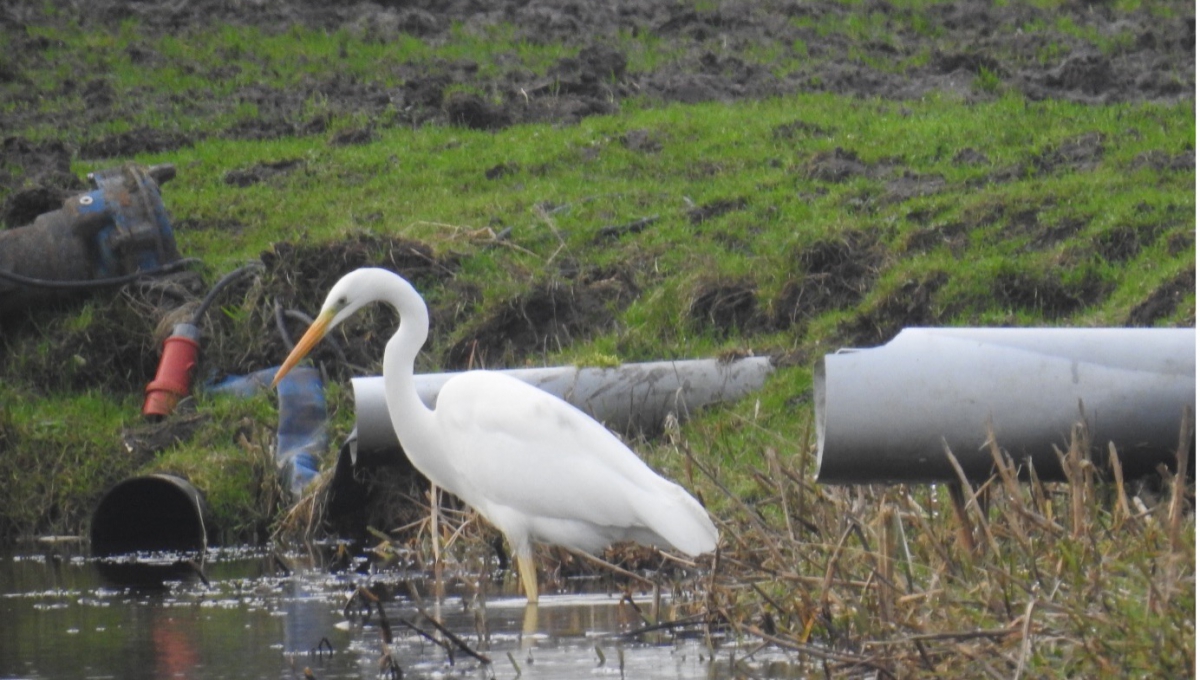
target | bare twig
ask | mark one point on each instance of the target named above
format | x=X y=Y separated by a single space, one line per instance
x=458 y=642
x=993 y=633
x=1026 y=640
x=813 y=650
x=610 y=566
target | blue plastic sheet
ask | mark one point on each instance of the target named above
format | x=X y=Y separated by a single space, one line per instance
x=302 y=420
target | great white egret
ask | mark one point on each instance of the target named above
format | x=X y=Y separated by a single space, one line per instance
x=537 y=468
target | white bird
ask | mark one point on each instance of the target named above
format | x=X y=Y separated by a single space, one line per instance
x=536 y=467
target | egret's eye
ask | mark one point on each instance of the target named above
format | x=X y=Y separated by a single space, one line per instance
x=342 y=301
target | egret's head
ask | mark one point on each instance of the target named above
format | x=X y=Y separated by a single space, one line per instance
x=346 y=297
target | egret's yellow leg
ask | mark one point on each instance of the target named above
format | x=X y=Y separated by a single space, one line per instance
x=528 y=576
x=529 y=625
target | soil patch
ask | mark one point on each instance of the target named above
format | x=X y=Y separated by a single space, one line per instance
x=1046 y=293
x=134 y=142
x=547 y=318
x=912 y=185
x=837 y=166
x=831 y=274
x=1165 y=300
x=725 y=307
x=912 y=304
x=261 y=172
x=717 y=54
x=953 y=235
x=39 y=178
x=717 y=208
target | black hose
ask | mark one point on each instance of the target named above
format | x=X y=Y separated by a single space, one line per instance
x=87 y=284
x=220 y=285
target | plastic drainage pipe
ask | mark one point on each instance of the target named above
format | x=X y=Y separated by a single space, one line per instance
x=152 y=513
x=883 y=413
x=627 y=398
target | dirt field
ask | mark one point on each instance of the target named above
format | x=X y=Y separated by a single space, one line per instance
x=1083 y=51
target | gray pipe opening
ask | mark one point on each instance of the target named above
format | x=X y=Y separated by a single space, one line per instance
x=883 y=413
x=154 y=513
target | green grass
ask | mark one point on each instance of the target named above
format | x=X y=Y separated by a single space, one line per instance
x=1032 y=225
x=430 y=184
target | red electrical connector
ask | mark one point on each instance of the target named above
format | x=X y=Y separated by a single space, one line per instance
x=174 y=378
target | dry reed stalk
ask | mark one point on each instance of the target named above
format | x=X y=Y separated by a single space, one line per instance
x=1072 y=465
x=775 y=467
x=965 y=533
x=754 y=517
x=1122 y=512
x=1014 y=504
x=1037 y=491
x=899 y=529
x=1179 y=482
x=831 y=565
x=958 y=636
x=1026 y=640
x=972 y=501
x=884 y=563
x=1081 y=475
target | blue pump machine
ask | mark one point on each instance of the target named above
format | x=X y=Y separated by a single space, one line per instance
x=118 y=229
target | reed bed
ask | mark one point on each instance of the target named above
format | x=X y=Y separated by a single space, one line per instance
x=1014 y=577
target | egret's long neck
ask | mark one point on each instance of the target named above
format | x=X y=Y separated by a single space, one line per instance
x=412 y=420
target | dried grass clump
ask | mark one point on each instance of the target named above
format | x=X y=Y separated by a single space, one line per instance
x=1006 y=579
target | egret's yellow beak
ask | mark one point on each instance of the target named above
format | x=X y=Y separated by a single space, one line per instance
x=312 y=336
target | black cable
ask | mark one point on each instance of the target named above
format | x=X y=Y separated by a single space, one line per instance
x=221 y=285
x=281 y=326
x=86 y=284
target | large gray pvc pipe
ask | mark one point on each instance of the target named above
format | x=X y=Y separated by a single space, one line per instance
x=627 y=398
x=882 y=413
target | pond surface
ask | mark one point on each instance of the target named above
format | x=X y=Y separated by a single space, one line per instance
x=259 y=616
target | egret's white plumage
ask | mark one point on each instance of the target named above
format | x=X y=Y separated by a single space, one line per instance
x=536 y=467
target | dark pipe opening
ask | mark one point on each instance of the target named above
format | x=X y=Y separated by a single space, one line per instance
x=149 y=514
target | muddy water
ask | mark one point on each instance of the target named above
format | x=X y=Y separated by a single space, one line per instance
x=61 y=618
